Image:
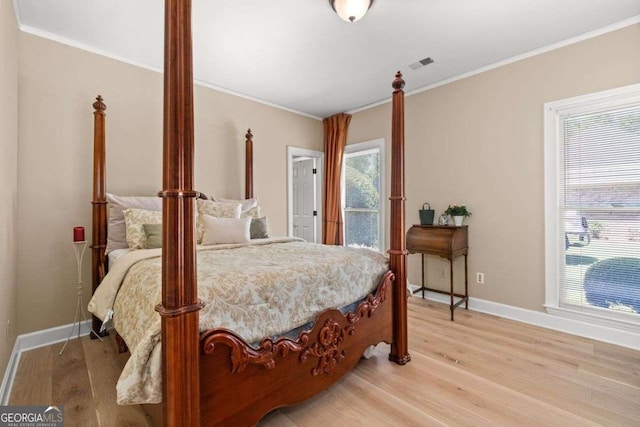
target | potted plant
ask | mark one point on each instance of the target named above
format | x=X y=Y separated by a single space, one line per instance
x=458 y=212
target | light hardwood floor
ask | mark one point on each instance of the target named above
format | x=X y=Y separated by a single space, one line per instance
x=479 y=370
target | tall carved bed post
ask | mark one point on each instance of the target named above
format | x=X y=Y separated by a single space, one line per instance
x=398 y=251
x=98 y=203
x=180 y=305
x=248 y=169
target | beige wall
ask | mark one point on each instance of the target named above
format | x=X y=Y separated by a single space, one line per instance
x=57 y=86
x=8 y=177
x=479 y=141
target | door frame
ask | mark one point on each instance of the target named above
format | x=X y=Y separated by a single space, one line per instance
x=293 y=152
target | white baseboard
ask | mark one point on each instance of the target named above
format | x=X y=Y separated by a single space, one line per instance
x=545 y=320
x=32 y=341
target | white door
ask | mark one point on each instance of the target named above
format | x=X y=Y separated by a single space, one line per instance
x=304 y=210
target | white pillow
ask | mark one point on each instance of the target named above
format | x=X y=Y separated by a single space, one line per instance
x=134 y=220
x=246 y=203
x=225 y=230
x=216 y=209
x=116 y=232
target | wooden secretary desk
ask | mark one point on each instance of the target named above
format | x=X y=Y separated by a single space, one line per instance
x=448 y=242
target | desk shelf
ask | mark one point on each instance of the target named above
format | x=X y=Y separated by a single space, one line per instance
x=447 y=242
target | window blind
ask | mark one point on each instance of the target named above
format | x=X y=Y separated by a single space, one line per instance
x=599 y=211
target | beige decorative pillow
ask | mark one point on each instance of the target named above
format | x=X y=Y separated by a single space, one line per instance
x=116 y=232
x=254 y=212
x=246 y=203
x=134 y=220
x=215 y=209
x=225 y=230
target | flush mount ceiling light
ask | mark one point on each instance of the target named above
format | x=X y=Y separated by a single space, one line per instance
x=351 y=10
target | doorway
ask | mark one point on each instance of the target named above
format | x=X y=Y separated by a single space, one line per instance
x=304 y=193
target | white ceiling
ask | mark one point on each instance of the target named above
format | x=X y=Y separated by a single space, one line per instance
x=299 y=55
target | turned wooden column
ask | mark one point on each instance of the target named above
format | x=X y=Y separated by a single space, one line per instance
x=98 y=204
x=180 y=305
x=398 y=251
x=248 y=168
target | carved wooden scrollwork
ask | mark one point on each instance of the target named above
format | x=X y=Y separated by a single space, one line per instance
x=328 y=348
x=242 y=354
x=327 y=343
x=331 y=338
x=373 y=301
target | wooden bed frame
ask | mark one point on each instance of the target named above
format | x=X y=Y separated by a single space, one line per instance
x=214 y=377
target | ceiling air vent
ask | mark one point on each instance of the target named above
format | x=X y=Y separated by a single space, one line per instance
x=421 y=63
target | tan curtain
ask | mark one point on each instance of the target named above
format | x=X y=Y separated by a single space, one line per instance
x=335 y=139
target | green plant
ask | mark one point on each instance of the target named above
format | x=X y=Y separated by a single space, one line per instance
x=458 y=210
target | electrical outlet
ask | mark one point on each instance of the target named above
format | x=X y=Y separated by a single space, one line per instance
x=443 y=273
x=480 y=278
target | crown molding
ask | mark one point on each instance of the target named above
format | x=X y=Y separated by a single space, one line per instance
x=582 y=37
x=73 y=43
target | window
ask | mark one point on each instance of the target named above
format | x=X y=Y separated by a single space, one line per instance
x=362 y=194
x=592 y=146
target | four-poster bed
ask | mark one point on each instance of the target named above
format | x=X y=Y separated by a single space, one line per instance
x=214 y=377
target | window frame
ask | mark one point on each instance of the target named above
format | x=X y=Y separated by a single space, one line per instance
x=554 y=238
x=362 y=148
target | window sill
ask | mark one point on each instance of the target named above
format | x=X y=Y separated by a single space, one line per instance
x=618 y=321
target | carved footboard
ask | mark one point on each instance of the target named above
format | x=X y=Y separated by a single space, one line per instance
x=239 y=384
